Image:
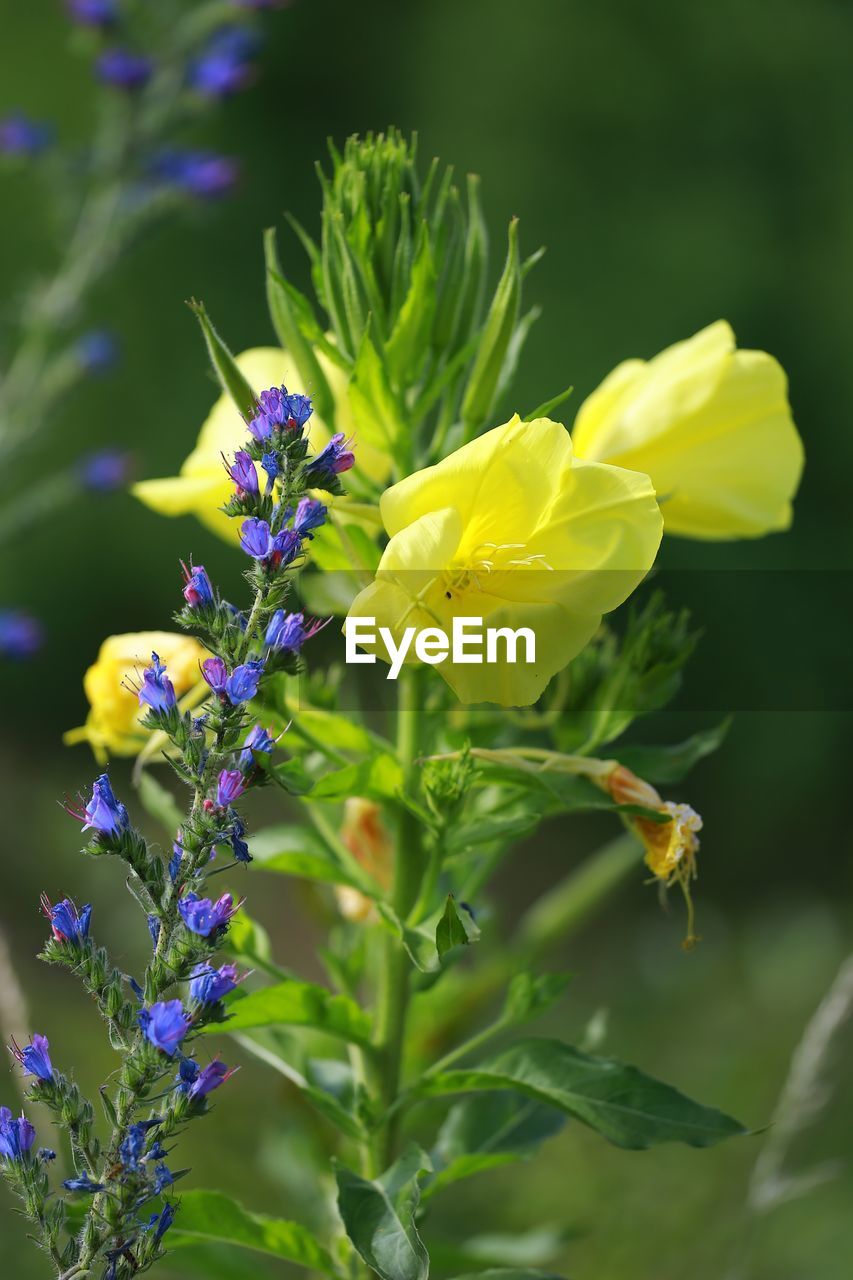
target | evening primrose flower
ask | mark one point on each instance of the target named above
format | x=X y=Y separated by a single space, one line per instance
x=113 y=724
x=365 y=835
x=202 y=487
x=513 y=529
x=712 y=427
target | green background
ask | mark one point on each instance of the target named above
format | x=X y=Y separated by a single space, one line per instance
x=681 y=162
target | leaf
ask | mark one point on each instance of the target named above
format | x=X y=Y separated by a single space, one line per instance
x=286 y=308
x=671 y=764
x=379 y=778
x=625 y=1106
x=298 y=851
x=292 y=777
x=258 y=1044
x=224 y=364
x=456 y=928
x=489 y=1130
x=211 y=1215
x=494 y=341
x=379 y=1217
x=409 y=338
x=333 y=730
x=159 y=802
x=298 y=1004
x=419 y=942
x=375 y=411
x=508 y=1273
x=531 y=994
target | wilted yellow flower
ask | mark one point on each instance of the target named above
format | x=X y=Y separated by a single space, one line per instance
x=710 y=425
x=112 y=726
x=512 y=529
x=203 y=486
x=364 y=834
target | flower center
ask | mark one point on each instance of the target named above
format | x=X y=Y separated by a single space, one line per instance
x=486 y=560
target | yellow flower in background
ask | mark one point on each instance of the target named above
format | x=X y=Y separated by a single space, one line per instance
x=513 y=529
x=710 y=425
x=112 y=726
x=367 y=839
x=203 y=486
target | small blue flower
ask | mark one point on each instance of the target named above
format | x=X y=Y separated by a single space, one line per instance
x=175 y=862
x=165 y=1024
x=210 y=1078
x=103 y=813
x=21 y=635
x=286 y=632
x=299 y=409
x=188 y=1070
x=204 y=917
x=242 y=684
x=271 y=463
x=256 y=538
x=310 y=514
x=260 y=426
x=238 y=845
x=97 y=351
x=209 y=985
x=16 y=1135
x=35 y=1057
x=167 y=1217
x=93 y=13
x=275 y=403
x=67 y=924
x=286 y=546
x=83 y=1183
x=223 y=67
x=123 y=69
x=130 y=1151
x=257 y=740
x=153 y=923
x=157 y=690
x=230 y=785
x=198 y=589
x=20 y=136
x=242 y=472
x=336 y=458
x=215 y=673
x=163 y=1177
x=106 y=470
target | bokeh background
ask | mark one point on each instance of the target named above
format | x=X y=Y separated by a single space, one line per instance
x=680 y=163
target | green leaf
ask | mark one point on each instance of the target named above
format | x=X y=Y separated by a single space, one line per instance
x=508 y=1273
x=376 y=412
x=211 y=1215
x=224 y=364
x=249 y=941
x=298 y=851
x=547 y=407
x=262 y=1045
x=379 y=778
x=298 y=1004
x=531 y=994
x=456 y=928
x=489 y=1130
x=494 y=342
x=159 y=802
x=419 y=943
x=292 y=777
x=671 y=764
x=625 y=1106
x=332 y=730
x=283 y=308
x=409 y=339
x=379 y=1217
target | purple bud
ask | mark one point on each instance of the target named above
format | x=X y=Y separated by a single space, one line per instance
x=16 y=1135
x=93 y=13
x=103 y=813
x=242 y=472
x=336 y=458
x=210 y=1078
x=215 y=673
x=198 y=589
x=123 y=69
x=34 y=1057
x=230 y=785
x=165 y=1024
x=242 y=684
x=106 y=471
x=257 y=740
x=209 y=985
x=21 y=635
x=67 y=925
x=255 y=538
x=310 y=514
x=20 y=136
x=157 y=690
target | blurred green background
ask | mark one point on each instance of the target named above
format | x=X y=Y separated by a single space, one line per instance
x=680 y=163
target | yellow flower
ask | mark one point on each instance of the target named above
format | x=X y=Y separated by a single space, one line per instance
x=112 y=725
x=710 y=425
x=202 y=486
x=364 y=834
x=512 y=529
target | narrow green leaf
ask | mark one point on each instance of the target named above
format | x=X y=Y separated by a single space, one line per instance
x=376 y=412
x=379 y=778
x=282 y=314
x=531 y=994
x=409 y=340
x=159 y=802
x=495 y=341
x=547 y=407
x=297 y=851
x=211 y=1215
x=625 y=1106
x=259 y=1044
x=456 y=928
x=671 y=764
x=224 y=364
x=298 y=1004
x=379 y=1217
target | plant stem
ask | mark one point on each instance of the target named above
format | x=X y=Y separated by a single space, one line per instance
x=394 y=990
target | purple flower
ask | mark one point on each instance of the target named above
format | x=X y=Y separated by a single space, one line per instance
x=299 y=409
x=106 y=470
x=230 y=785
x=20 y=136
x=210 y=1078
x=157 y=690
x=202 y=174
x=130 y=1151
x=166 y=1218
x=198 y=589
x=93 y=13
x=21 y=635
x=103 y=813
x=271 y=463
x=165 y=1024
x=260 y=427
x=83 y=1183
x=16 y=1135
x=242 y=684
x=175 y=862
x=97 y=351
x=287 y=632
x=67 y=924
x=275 y=404
x=310 y=514
x=256 y=539
x=223 y=67
x=209 y=985
x=238 y=845
x=215 y=673
x=34 y=1057
x=204 y=917
x=123 y=69
x=242 y=472
x=286 y=546
x=331 y=461
x=153 y=923
x=257 y=740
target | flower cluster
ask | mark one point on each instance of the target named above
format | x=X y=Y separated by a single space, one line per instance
x=220 y=754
